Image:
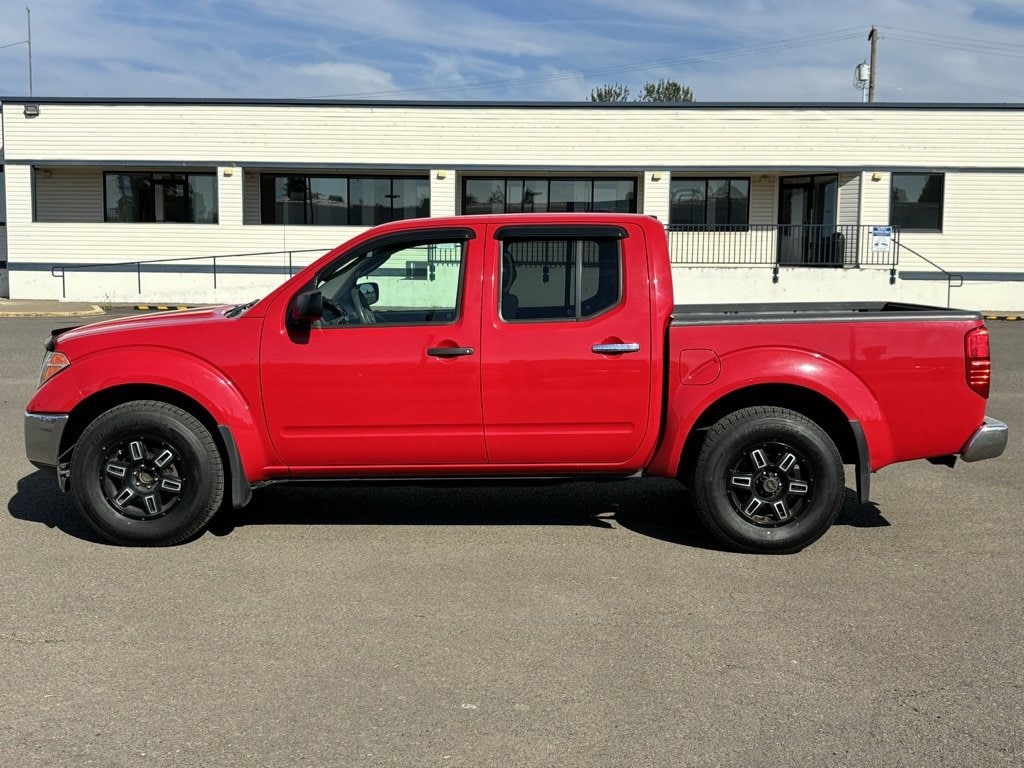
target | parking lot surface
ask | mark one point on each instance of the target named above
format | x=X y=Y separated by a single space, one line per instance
x=516 y=625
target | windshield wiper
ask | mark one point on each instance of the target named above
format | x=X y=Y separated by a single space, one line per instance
x=239 y=309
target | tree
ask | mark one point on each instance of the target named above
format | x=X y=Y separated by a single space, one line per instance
x=610 y=92
x=663 y=90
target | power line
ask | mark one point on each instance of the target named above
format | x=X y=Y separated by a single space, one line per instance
x=954 y=47
x=991 y=43
x=748 y=50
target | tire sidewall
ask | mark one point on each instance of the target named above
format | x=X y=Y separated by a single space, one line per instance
x=191 y=509
x=711 y=484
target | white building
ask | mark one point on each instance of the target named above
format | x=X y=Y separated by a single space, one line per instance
x=154 y=199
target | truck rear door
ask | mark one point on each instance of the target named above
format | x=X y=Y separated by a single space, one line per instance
x=566 y=341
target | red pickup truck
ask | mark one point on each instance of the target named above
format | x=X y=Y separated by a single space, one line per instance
x=506 y=346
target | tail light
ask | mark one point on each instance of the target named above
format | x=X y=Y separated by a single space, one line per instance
x=979 y=361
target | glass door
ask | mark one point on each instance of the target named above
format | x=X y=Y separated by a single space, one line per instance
x=807 y=221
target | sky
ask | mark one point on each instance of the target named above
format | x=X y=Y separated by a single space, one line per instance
x=726 y=50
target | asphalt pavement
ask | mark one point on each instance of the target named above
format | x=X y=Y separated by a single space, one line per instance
x=516 y=625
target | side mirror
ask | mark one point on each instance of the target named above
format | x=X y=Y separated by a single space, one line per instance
x=307 y=308
x=370 y=293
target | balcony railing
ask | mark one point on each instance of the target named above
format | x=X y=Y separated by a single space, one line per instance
x=784 y=245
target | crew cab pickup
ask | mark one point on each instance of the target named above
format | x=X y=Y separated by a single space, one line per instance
x=542 y=346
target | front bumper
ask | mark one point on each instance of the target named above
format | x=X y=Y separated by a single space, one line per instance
x=987 y=442
x=43 y=432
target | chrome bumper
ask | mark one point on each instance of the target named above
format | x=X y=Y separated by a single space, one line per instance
x=42 y=438
x=987 y=442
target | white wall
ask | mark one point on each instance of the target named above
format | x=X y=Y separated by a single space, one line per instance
x=541 y=136
x=981 y=152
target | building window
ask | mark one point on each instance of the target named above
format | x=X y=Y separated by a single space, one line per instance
x=710 y=203
x=181 y=197
x=3 y=198
x=339 y=201
x=916 y=201
x=559 y=279
x=526 y=195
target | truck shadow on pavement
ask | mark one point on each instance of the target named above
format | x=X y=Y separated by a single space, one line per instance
x=37 y=500
x=660 y=509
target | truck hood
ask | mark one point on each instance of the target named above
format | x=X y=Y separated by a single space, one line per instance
x=151 y=322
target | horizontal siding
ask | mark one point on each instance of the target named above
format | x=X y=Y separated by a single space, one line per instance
x=69 y=194
x=506 y=136
x=849 y=199
x=982 y=228
x=251 y=198
x=442 y=193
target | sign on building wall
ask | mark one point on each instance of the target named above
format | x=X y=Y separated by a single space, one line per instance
x=881 y=239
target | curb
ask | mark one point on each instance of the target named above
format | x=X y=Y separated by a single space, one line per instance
x=1004 y=317
x=93 y=312
x=159 y=307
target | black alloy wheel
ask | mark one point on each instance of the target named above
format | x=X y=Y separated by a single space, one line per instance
x=147 y=473
x=768 y=479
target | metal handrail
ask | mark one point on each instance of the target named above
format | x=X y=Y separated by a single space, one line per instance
x=950 y=276
x=780 y=245
x=61 y=270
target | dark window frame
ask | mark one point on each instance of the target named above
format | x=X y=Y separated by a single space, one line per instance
x=184 y=176
x=3 y=199
x=307 y=203
x=506 y=179
x=894 y=218
x=705 y=226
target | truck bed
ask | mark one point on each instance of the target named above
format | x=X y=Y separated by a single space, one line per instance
x=812 y=312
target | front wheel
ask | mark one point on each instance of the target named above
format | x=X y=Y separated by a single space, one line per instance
x=768 y=480
x=147 y=473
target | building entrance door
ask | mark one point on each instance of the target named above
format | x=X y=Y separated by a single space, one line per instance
x=807 y=221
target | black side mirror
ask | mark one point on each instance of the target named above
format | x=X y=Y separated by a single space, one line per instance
x=307 y=308
x=370 y=293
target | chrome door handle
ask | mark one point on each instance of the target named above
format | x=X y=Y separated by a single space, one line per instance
x=615 y=349
x=450 y=351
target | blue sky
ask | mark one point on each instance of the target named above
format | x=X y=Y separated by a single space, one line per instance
x=728 y=50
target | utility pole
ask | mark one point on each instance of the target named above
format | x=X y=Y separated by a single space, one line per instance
x=28 y=12
x=873 y=37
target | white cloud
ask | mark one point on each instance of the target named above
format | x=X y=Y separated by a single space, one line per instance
x=526 y=50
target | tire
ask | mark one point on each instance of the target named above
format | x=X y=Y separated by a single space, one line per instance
x=146 y=473
x=768 y=480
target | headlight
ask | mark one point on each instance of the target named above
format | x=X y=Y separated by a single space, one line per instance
x=53 y=363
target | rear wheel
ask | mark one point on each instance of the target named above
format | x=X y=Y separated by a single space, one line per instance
x=768 y=480
x=147 y=473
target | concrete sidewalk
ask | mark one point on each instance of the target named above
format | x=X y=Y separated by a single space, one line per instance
x=48 y=308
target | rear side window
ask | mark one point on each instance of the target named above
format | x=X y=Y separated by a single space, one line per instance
x=559 y=278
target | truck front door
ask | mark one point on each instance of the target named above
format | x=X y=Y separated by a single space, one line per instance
x=390 y=376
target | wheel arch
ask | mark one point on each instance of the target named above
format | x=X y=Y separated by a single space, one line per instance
x=86 y=411
x=807 y=402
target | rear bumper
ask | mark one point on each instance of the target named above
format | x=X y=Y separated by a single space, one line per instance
x=42 y=438
x=987 y=442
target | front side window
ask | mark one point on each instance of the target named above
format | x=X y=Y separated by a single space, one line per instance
x=541 y=195
x=710 y=203
x=916 y=201
x=414 y=283
x=357 y=201
x=160 y=197
x=559 y=278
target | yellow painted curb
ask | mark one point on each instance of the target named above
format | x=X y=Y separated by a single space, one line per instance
x=94 y=311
